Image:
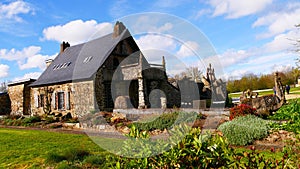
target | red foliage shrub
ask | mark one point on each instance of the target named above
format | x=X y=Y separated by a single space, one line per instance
x=241 y=110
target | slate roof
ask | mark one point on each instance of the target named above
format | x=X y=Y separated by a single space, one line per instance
x=23 y=81
x=81 y=61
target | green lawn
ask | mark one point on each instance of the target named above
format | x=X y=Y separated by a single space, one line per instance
x=22 y=148
x=29 y=148
x=295 y=90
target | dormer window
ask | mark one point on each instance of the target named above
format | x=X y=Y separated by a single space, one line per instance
x=61 y=66
x=87 y=59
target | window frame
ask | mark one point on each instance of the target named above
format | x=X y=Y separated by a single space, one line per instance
x=61 y=106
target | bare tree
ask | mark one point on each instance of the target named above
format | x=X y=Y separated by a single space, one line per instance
x=194 y=73
x=3 y=87
x=297 y=47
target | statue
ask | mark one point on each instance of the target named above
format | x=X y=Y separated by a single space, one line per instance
x=264 y=105
x=217 y=86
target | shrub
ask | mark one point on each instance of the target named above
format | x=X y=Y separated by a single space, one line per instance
x=167 y=120
x=241 y=110
x=70 y=155
x=75 y=154
x=72 y=120
x=54 y=158
x=291 y=113
x=50 y=119
x=228 y=102
x=33 y=119
x=244 y=130
x=95 y=160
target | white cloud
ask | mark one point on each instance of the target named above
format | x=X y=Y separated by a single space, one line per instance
x=236 y=74
x=236 y=9
x=280 y=21
x=32 y=75
x=202 y=12
x=3 y=70
x=233 y=57
x=159 y=42
x=77 y=31
x=34 y=61
x=188 y=49
x=26 y=58
x=163 y=28
x=150 y=23
x=260 y=64
x=15 y=55
x=12 y=10
x=282 y=68
x=283 y=42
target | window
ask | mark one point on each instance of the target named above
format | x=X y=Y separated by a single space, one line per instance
x=87 y=59
x=124 y=48
x=42 y=100
x=60 y=100
x=61 y=66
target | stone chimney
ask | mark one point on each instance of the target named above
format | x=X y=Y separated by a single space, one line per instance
x=48 y=62
x=118 y=29
x=63 y=46
x=163 y=63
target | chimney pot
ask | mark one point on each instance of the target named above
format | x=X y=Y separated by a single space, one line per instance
x=63 y=46
x=48 y=62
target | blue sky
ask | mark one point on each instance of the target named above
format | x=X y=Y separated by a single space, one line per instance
x=248 y=36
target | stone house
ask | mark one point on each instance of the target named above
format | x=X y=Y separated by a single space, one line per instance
x=101 y=74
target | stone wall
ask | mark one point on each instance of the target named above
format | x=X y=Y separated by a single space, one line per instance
x=84 y=98
x=78 y=99
x=110 y=80
x=4 y=104
x=16 y=94
x=19 y=95
x=49 y=99
x=157 y=86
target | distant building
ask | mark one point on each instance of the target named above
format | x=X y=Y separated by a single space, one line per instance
x=298 y=84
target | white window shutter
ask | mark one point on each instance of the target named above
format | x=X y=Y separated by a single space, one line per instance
x=53 y=99
x=36 y=100
x=67 y=94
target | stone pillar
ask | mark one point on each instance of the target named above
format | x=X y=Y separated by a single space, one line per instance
x=163 y=102
x=279 y=87
x=141 y=91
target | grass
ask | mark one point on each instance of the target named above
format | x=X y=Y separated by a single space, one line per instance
x=29 y=148
x=294 y=90
x=21 y=148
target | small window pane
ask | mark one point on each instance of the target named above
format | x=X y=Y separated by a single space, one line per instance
x=61 y=100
